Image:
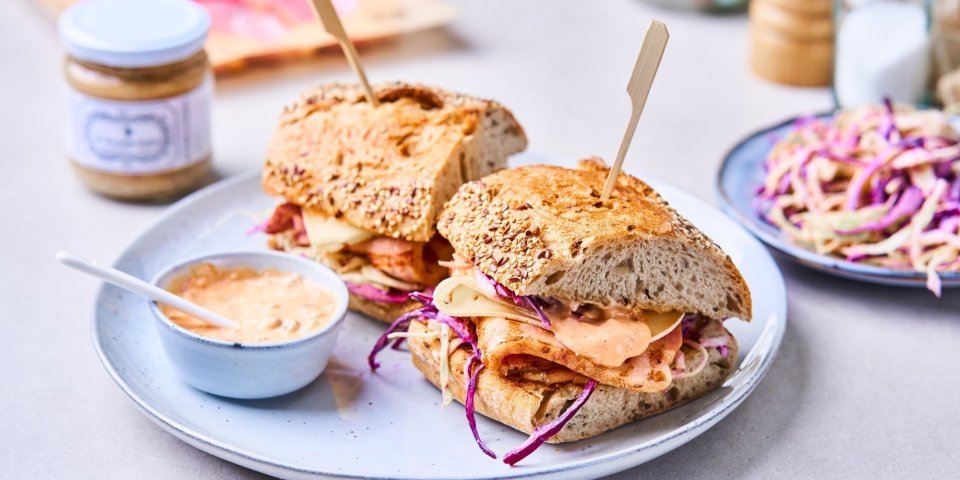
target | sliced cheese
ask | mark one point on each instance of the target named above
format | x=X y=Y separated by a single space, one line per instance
x=371 y=276
x=461 y=297
x=662 y=323
x=608 y=343
x=323 y=231
x=376 y=276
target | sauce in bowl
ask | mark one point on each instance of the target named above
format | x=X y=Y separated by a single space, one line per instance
x=269 y=306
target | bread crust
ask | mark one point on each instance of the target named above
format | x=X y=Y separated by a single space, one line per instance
x=525 y=405
x=523 y=225
x=384 y=312
x=387 y=169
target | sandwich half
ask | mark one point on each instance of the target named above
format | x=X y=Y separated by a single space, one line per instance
x=363 y=186
x=565 y=316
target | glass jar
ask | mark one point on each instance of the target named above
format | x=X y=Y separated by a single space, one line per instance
x=138 y=96
x=882 y=51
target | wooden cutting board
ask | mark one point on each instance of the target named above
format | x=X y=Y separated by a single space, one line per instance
x=257 y=32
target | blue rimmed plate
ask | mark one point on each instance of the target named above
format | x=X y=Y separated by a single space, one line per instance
x=351 y=423
x=741 y=174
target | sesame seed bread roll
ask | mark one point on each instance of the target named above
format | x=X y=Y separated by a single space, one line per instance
x=525 y=405
x=542 y=230
x=387 y=169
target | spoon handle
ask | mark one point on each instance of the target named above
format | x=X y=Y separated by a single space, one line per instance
x=136 y=285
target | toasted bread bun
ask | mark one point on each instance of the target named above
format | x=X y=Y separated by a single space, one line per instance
x=384 y=312
x=542 y=230
x=387 y=169
x=526 y=405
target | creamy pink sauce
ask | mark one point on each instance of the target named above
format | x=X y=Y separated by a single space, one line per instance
x=268 y=305
x=607 y=336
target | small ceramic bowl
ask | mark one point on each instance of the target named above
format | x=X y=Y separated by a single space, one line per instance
x=250 y=371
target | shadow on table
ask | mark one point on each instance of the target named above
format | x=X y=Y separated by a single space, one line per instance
x=337 y=389
x=882 y=297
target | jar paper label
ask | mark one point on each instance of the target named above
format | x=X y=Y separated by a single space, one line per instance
x=139 y=137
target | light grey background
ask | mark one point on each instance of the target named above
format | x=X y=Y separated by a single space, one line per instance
x=867 y=380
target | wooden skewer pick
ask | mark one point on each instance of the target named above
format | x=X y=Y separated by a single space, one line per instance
x=331 y=23
x=654 y=43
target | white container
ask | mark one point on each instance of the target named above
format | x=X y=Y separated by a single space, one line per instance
x=883 y=51
x=250 y=371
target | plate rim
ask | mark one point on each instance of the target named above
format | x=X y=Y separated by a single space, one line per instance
x=803 y=256
x=669 y=441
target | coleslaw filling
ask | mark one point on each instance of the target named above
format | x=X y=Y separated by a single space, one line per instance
x=878 y=185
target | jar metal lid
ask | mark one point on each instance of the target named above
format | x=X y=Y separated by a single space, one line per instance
x=133 y=34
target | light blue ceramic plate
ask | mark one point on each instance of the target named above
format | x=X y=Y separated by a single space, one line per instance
x=737 y=182
x=350 y=423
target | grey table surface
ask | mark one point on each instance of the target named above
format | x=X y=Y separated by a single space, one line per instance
x=866 y=383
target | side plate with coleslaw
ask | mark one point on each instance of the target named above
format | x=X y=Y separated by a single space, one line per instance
x=742 y=175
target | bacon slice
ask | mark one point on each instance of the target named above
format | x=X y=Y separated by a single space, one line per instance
x=288 y=217
x=515 y=348
x=413 y=262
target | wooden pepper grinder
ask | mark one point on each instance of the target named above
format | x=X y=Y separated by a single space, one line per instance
x=791 y=41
